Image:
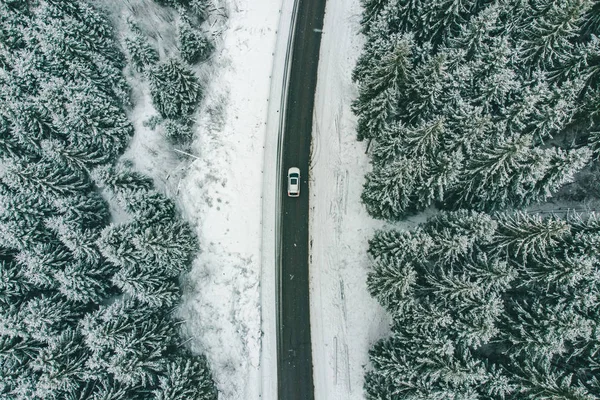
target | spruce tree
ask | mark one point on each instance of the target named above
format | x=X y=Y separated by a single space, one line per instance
x=388 y=190
x=174 y=88
x=551 y=28
x=141 y=53
x=194 y=45
x=186 y=379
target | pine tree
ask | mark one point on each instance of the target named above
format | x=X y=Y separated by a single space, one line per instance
x=26 y=207
x=121 y=180
x=476 y=35
x=562 y=166
x=171 y=245
x=381 y=83
x=47 y=315
x=591 y=21
x=501 y=173
x=442 y=18
x=47 y=179
x=552 y=28
x=174 y=88
x=540 y=380
x=149 y=208
x=128 y=343
x=424 y=94
x=398 y=244
x=147 y=284
x=116 y=245
x=473 y=227
x=186 y=379
x=85 y=210
x=523 y=234
x=14 y=289
x=494 y=69
x=389 y=144
x=580 y=61
x=371 y=8
x=94 y=121
x=84 y=283
x=141 y=53
x=30 y=124
x=9 y=147
x=194 y=45
x=178 y=131
x=40 y=263
x=391 y=283
x=75 y=158
x=61 y=365
x=389 y=190
x=79 y=241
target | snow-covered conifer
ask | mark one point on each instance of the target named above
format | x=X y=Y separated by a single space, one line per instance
x=141 y=53
x=75 y=158
x=381 y=83
x=178 y=131
x=194 y=45
x=85 y=210
x=174 y=88
x=186 y=378
x=80 y=241
x=171 y=244
x=538 y=380
x=84 y=283
x=121 y=180
x=44 y=178
x=524 y=234
x=391 y=283
x=46 y=316
x=147 y=207
x=388 y=191
x=116 y=244
x=61 y=366
x=551 y=30
x=40 y=263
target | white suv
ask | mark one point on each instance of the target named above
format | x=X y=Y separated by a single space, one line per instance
x=293 y=182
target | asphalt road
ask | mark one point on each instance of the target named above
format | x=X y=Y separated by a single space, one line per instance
x=295 y=377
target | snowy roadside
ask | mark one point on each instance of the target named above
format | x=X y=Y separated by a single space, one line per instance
x=345 y=320
x=222 y=194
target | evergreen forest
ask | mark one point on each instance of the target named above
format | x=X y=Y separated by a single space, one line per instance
x=87 y=299
x=482 y=112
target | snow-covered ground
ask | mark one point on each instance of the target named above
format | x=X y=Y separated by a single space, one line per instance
x=345 y=320
x=220 y=192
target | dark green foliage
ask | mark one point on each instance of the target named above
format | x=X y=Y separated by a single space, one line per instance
x=194 y=45
x=178 y=131
x=476 y=104
x=497 y=308
x=121 y=180
x=186 y=379
x=148 y=284
x=174 y=88
x=550 y=28
x=86 y=211
x=141 y=53
x=173 y=3
x=86 y=306
x=199 y=8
